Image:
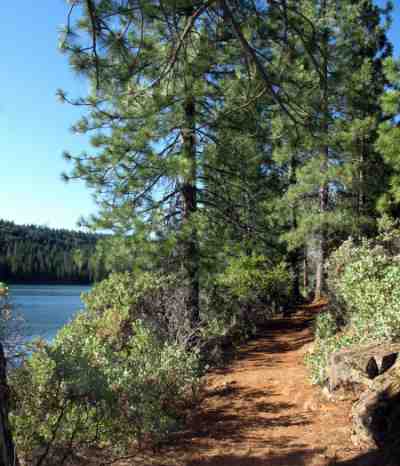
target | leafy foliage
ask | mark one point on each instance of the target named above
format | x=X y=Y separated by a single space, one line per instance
x=364 y=276
x=253 y=280
x=108 y=377
x=128 y=366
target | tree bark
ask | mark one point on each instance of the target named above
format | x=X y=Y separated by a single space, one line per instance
x=324 y=187
x=322 y=246
x=294 y=255
x=8 y=455
x=189 y=193
x=361 y=190
x=305 y=272
x=359 y=198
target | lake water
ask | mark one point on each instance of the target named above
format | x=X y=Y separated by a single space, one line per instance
x=46 y=308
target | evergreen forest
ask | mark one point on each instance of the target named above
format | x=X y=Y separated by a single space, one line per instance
x=32 y=254
x=245 y=156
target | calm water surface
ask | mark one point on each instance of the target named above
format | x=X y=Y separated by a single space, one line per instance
x=46 y=308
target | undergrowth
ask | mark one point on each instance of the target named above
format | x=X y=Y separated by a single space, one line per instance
x=363 y=280
x=127 y=369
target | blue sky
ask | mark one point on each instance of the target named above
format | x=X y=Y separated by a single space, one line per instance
x=34 y=126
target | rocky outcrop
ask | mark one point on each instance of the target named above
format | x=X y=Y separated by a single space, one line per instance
x=375 y=371
x=361 y=365
x=376 y=416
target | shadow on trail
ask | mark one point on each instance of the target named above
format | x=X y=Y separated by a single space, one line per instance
x=269 y=340
x=263 y=350
x=238 y=417
x=226 y=422
x=372 y=458
x=301 y=457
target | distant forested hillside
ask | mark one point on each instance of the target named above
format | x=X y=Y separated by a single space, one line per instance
x=30 y=253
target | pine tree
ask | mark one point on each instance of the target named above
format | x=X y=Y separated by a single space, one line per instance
x=152 y=126
x=389 y=139
x=364 y=47
x=345 y=47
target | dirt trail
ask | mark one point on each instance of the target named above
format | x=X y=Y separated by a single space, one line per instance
x=261 y=410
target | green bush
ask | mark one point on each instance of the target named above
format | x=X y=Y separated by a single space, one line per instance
x=108 y=378
x=325 y=325
x=247 y=292
x=126 y=368
x=364 y=279
x=251 y=279
x=368 y=285
x=328 y=339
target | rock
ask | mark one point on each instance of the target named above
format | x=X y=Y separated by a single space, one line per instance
x=376 y=415
x=362 y=414
x=361 y=365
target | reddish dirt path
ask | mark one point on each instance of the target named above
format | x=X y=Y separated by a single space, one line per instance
x=261 y=410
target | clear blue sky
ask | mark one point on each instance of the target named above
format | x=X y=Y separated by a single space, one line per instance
x=34 y=126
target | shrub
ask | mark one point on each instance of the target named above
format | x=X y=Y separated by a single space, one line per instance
x=364 y=279
x=126 y=369
x=328 y=339
x=159 y=300
x=108 y=378
x=368 y=285
x=247 y=292
x=251 y=279
x=325 y=325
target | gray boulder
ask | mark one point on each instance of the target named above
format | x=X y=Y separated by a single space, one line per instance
x=361 y=365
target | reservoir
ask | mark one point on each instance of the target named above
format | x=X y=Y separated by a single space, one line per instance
x=46 y=308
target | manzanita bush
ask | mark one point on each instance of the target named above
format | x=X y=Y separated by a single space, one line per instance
x=108 y=378
x=249 y=279
x=364 y=278
x=128 y=366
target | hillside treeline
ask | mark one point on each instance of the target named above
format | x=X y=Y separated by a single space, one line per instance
x=38 y=254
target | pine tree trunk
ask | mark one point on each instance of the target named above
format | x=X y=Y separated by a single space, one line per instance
x=322 y=243
x=305 y=273
x=294 y=255
x=358 y=185
x=295 y=276
x=7 y=450
x=361 y=192
x=319 y=275
x=324 y=188
x=189 y=192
